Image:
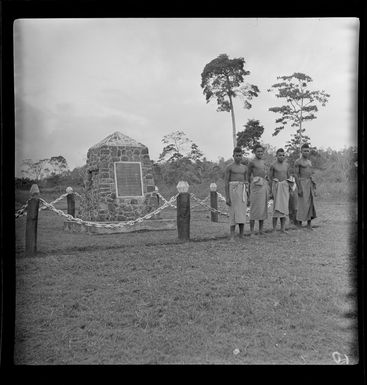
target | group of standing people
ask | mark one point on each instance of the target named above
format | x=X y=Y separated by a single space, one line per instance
x=253 y=185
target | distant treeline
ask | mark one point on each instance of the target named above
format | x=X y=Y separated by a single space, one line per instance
x=329 y=165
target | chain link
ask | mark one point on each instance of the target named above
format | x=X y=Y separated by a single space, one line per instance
x=199 y=204
x=207 y=206
x=22 y=211
x=174 y=206
x=165 y=200
x=55 y=201
x=221 y=196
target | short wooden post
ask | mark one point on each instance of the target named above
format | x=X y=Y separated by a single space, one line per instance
x=71 y=201
x=183 y=211
x=32 y=221
x=214 y=201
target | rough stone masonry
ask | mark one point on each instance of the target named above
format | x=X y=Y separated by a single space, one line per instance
x=101 y=201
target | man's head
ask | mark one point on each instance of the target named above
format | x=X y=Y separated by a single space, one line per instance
x=305 y=150
x=237 y=154
x=259 y=151
x=280 y=155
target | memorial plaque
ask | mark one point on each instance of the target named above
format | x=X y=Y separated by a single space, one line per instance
x=128 y=179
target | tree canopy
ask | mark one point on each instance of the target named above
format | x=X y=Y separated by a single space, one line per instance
x=250 y=135
x=44 y=167
x=300 y=103
x=223 y=79
x=177 y=146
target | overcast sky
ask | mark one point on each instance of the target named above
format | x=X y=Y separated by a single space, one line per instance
x=79 y=80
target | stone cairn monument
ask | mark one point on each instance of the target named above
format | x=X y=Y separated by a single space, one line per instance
x=118 y=184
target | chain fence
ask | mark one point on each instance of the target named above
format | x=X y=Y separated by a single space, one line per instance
x=22 y=211
x=107 y=225
x=166 y=203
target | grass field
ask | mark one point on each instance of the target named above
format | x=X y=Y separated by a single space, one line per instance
x=144 y=297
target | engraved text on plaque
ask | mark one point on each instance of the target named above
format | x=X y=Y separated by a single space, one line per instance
x=128 y=179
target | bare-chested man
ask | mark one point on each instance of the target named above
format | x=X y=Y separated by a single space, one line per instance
x=236 y=192
x=259 y=190
x=306 y=188
x=280 y=188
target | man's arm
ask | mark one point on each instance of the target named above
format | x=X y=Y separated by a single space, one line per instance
x=271 y=176
x=312 y=169
x=245 y=178
x=312 y=179
x=249 y=171
x=226 y=184
x=297 y=175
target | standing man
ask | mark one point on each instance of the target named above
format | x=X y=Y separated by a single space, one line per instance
x=306 y=188
x=280 y=189
x=236 y=192
x=259 y=190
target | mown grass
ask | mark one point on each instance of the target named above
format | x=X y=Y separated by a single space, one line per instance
x=146 y=298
